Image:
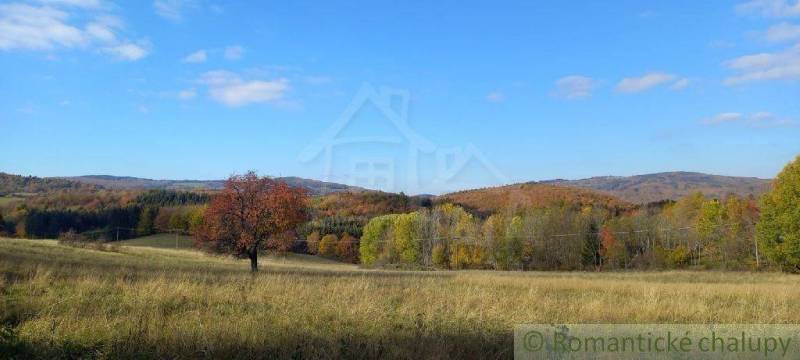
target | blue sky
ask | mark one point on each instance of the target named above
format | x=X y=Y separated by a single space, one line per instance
x=520 y=90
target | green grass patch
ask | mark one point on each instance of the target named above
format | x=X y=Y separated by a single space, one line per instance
x=163 y=241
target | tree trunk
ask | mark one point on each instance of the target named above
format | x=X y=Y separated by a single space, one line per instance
x=254 y=260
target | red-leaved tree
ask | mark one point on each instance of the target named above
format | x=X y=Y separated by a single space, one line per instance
x=248 y=211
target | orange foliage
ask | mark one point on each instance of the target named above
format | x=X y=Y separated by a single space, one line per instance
x=520 y=196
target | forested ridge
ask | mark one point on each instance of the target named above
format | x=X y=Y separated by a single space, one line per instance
x=521 y=226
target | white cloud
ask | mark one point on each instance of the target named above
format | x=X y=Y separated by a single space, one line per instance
x=574 y=87
x=172 y=9
x=722 y=118
x=29 y=27
x=783 y=65
x=782 y=32
x=187 y=94
x=762 y=119
x=103 y=28
x=680 y=84
x=50 y=27
x=127 y=51
x=230 y=89
x=642 y=83
x=770 y=8
x=196 y=57
x=495 y=96
x=76 y=3
x=234 y=52
x=100 y=32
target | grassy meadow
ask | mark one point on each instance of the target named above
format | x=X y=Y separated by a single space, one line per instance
x=163 y=241
x=140 y=302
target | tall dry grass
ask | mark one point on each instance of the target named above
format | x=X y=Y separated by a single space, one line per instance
x=60 y=301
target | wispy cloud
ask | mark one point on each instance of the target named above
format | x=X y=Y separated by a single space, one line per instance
x=762 y=119
x=644 y=82
x=52 y=26
x=234 y=52
x=187 y=94
x=173 y=10
x=784 y=65
x=722 y=118
x=232 y=90
x=128 y=51
x=198 y=56
x=770 y=8
x=24 y=26
x=782 y=32
x=495 y=97
x=574 y=87
x=93 y=4
x=680 y=84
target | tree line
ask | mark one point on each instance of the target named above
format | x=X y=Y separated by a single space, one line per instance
x=698 y=232
x=104 y=213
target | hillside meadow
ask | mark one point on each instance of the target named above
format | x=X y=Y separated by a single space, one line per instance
x=139 y=302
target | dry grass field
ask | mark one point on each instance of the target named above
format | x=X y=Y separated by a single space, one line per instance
x=136 y=302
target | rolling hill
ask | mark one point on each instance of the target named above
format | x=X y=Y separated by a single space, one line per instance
x=17 y=184
x=530 y=195
x=668 y=185
x=315 y=187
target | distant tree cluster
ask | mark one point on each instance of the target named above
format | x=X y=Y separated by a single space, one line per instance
x=694 y=231
x=11 y=184
x=122 y=214
x=342 y=247
x=52 y=223
x=171 y=198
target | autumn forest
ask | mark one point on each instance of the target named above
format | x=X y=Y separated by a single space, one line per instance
x=532 y=226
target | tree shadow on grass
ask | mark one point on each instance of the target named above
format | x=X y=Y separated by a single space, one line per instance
x=292 y=345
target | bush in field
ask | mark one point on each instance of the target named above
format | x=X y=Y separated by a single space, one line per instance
x=346 y=248
x=406 y=243
x=374 y=233
x=327 y=246
x=69 y=237
x=778 y=231
x=679 y=256
x=312 y=242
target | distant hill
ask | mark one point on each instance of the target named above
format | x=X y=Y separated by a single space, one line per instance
x=17 y=184
x=668 y=185
x=368 y=203
x=314 y=187
x=530 y=195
